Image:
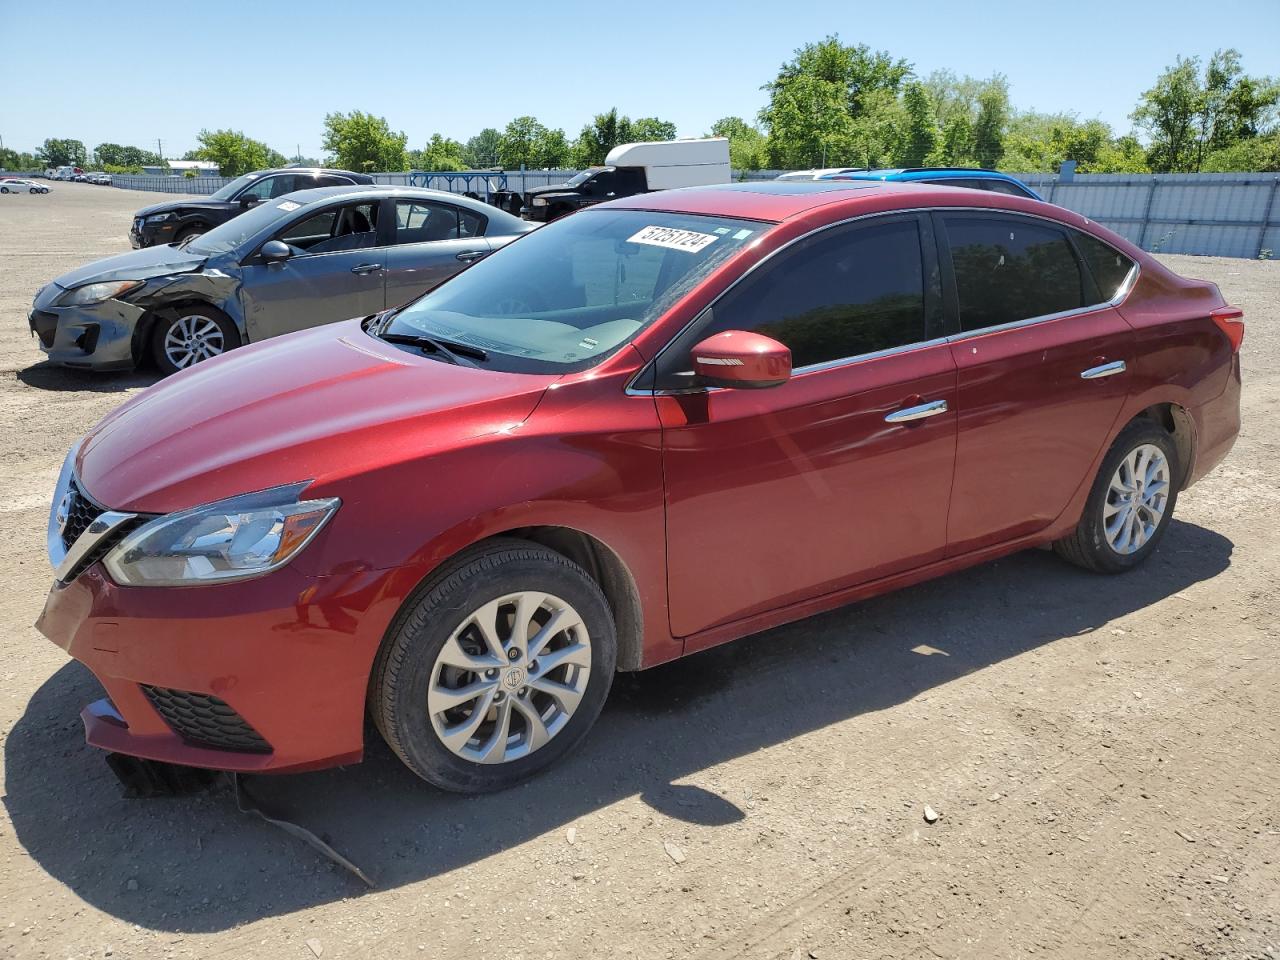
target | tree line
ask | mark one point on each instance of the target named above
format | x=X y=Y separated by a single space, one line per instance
x=832 y=104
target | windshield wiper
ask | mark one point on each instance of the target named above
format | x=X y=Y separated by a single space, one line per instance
x=450 y=350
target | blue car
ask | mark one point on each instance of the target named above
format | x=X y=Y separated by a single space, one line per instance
x=946 y=177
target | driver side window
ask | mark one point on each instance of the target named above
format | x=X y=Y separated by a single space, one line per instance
x=268 y=188
x=350 y=227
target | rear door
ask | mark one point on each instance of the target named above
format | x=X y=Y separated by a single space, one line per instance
x=432 y=241
x=337 y=271
x=1042 y=357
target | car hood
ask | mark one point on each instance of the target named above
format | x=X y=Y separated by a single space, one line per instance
x=193 y=204
x=552 y=188
x=136 y=265
x=323 y=405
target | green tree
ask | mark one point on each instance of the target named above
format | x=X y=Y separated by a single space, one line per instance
x=1039 y=142
x=989 y=127
x=441 y=153
x=746 y=142
x=526 y=141
x=482 y=150
x=56 y=152
x=920 y=138
x=651 y=128
x=1186 y=115
x=957 y=147
x=365 y=143
x=602 y=134
x=834 y=103
x=234 y=153
x=12 y=160
x=1259 y=154
x=115 y=155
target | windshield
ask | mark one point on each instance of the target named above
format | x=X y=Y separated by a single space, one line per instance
x=230 y=190
x=565 y=296
x=228 y=236
x=578 y=179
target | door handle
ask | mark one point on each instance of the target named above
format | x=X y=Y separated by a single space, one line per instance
x=919 y=412
x=1106 y=370
x=469 y=255
x=364 y=268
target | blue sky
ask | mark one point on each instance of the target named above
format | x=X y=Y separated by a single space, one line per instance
x=106 y=71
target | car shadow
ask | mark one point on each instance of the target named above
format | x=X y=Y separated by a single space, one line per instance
x=194 y=863
x=51 y=376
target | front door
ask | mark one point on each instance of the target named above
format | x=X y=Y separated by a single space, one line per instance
x=337 y=271
x=843 y=474
x=1042 y=374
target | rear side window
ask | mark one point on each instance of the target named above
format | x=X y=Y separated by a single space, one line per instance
x=1109 y=266
x=1004 y=186
x=1009 y=269
x=845 y=292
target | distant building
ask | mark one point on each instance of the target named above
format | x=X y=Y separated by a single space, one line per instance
x=203 y=168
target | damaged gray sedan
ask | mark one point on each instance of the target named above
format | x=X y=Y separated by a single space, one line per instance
x=307 y=258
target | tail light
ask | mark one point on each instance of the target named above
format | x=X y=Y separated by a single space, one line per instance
x=1230 y=320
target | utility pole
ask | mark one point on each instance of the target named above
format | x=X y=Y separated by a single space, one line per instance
x=160 y=148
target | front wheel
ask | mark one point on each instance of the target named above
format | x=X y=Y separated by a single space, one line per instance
x=1130 y=504
x=192 y=231
x=187 y=335
x=497 y=670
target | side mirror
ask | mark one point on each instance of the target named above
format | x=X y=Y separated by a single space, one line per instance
x=274 y=251
x=741 y=360
x=247 y=202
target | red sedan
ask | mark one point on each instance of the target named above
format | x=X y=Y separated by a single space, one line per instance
x=651 y=427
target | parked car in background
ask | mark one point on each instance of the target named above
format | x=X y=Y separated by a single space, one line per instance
x=632 y=168
x=21 y=185
x=973 y=178
x=816 y=174
x=102 y=179
x=176 y=220
x=297 y=261
x=643 y=430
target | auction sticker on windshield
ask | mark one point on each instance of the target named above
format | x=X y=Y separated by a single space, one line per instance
x=686 y=240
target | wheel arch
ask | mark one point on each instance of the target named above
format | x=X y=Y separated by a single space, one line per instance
x=144 y=328
x=600 y=561
x=1180 y=425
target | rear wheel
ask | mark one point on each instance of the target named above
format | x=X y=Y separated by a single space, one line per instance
x=1130 y=504
x=4 y=189
x=497 y=670
x=185 y=336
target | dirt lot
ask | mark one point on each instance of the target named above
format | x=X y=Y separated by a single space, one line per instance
x=1104 y=752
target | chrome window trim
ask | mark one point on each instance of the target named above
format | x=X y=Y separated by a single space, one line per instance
x=1121 y=295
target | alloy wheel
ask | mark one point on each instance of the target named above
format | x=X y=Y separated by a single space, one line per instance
x=1136 y=499
x=191 y=339
x=509 y=678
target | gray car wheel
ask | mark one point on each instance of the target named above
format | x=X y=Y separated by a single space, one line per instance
x=185 y=336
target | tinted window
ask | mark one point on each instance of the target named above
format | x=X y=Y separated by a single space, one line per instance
x=270 y=187
x=1010 y=269
x=1004 y=186
x=328 y=180
x=846 y=292
x=1109 y=267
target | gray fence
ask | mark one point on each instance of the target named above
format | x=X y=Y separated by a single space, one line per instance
x=1211 y=214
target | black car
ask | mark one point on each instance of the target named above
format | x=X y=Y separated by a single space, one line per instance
x=178 y=220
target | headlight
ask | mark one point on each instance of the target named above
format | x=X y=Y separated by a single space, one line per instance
x=97 y=292
x=538 y=202
x=232 y=539
x=158 y=217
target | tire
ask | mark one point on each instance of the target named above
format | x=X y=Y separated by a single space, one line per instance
x=186 y=233
x=434 y=640
x=203 y=331
x=4 y=189
x=1100 y=541
x=35 y=190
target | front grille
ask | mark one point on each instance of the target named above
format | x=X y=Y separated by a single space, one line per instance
x=203 y=720
x=81 y=511
x=45 y=325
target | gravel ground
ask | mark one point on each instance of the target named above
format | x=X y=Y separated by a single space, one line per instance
x=1102 y=752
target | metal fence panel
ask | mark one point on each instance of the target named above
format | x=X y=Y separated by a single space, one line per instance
x=1215 y=214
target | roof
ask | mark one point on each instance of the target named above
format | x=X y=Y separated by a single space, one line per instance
x=313 y=194
x=777 y=200
x=921 y=173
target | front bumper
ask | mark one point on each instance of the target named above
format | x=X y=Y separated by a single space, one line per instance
x=94 y=337
x=143 y=234
x=287 y=655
